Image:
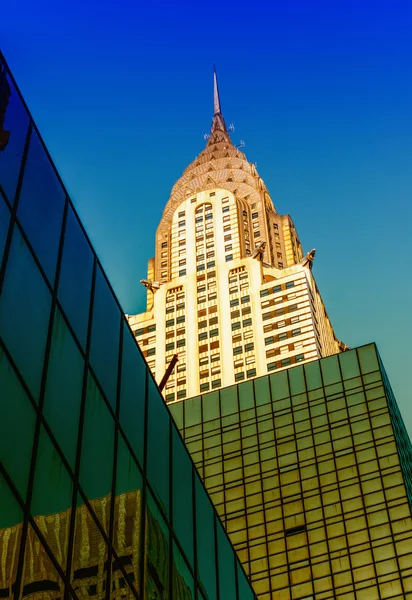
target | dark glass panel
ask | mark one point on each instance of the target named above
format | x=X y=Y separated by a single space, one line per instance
x=40 y=578
x=183 y=586
x=90 y=554
x=105 y=337
x=132 y=393
x=226 y=560
x=262 y=391
x=158 y=449
x=182 y=496
x=157 y=557
x=17 y=426
x=14 y=123
x=205 y=541
x=41 y=205
x=24 y=324
x=246 y=395
x=127 y=541
x=64 y=388
x=10 y=511
x=96 y=466
x=245 y=590
x=52 y=498
x=4 y=225
x=76 y=277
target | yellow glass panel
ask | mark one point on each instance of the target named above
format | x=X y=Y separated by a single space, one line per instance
x=324 y=584
x=300 y=575
x=389 y=589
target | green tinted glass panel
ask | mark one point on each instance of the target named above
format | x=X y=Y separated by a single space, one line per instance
x=205 y=541
x=132 y=393
x=105 y=337
x=4 y=226
x=128 y=476
x=10 y=511
x=297 y=380
x=246 y=395
x=183 y=586
x=349 y=365
x=330 y=370
x=182 y=495
x=193 y=411
x=128 y=509
x=41 y=201
x=313 y=376
x=158 y=449
x=157 y=552
x=228 y=400
x=245 y=591
x=262 y=391
x=96 y=466
x=13 y=132
x=367 y=359
x=226 y=561
x=279 y=385
x=64 y=388
x=76 y=277
x=24 y=324
x=211 y=406
x=52 y=488
x=176 y=410
x=17 y=426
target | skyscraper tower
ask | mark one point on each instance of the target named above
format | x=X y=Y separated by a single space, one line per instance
x=229 y=290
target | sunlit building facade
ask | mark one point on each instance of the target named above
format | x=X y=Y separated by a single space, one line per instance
x=99 y=498
x=310 y=470
x=229 y=290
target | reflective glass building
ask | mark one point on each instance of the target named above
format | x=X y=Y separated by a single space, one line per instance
x=310 y=470
x=98 y=496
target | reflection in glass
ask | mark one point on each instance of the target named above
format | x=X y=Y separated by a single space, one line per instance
x=205 y=541
x=14 y=123
x=158 y=446
x=4 y=226
x=41 y=197
x=156 y=552
x=25 y=337
x=182 y=496
x=75 y=279
x=105 y=337
x=183 y=587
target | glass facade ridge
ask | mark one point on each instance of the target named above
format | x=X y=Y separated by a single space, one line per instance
x=98 y=495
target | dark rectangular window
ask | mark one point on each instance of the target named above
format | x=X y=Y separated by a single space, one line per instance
x=151 y=351
x=251 y=373
x=182 y=273
x=170 y=346
x=151 y=328
x=249 y=347
x=290 y=284
x=285 y=362
x=203 y=335
x=295 y=332
x=236 y=325
x=170 y=322
x=279 y=311
x=139 y=332
x=245 y=299
x=225 y=209
x=180 y=319
x=169 y=397
x=239 y=376
x=204 y=387
x=299 y=357
x=181 y=394
x=282 y=336
x=264 y=293
x=216 y=383
x=211 y=264
x=247 y=322
x=214 y=332
x=267 y=316
x=164 y=244
x=277 y=288
x=237 y=350
x=234 y=302
x=229 y=257
x=271 y=366
x=269 y=340
x=181 y=343
x=255 y=215
x=293 y=307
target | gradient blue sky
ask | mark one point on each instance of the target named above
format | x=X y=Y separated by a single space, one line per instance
x=321 y=92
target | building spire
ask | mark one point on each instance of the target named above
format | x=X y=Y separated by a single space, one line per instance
x=216 y=97
x=218 y=122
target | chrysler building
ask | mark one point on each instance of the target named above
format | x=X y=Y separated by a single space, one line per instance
x=230 y=290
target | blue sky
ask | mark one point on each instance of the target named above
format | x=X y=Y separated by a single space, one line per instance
x=321 y=93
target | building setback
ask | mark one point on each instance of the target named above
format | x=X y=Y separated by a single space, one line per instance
x=98 y=495
x=310 y=470
x=229 y=289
